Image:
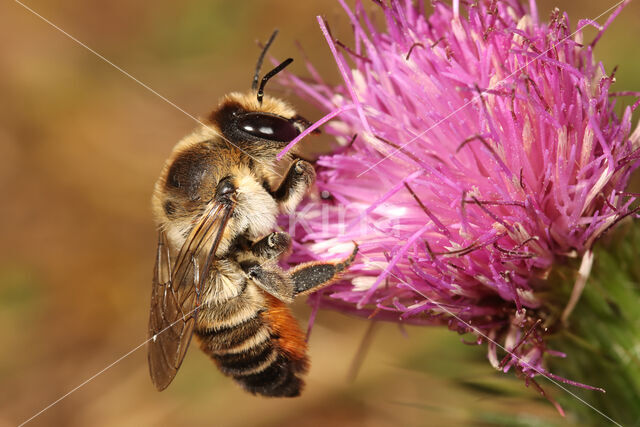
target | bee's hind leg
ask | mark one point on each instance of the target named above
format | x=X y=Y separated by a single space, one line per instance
x=300 y=280
x=270 y=278
x=313 y=276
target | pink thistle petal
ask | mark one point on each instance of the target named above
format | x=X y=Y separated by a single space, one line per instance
x=313 y=127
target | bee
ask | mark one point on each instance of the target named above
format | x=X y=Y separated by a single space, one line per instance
x=216 y=274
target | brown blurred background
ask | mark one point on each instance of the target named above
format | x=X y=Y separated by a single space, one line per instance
x=81 y=145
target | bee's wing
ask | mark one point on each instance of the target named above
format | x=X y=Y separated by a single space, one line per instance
x=176 y=293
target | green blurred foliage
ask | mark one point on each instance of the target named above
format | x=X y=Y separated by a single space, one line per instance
x=81 y=145
x=602 y=335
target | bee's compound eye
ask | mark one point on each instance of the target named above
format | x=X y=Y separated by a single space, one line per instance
x=268 y=126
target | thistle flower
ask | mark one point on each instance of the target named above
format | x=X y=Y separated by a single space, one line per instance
x=480 y=151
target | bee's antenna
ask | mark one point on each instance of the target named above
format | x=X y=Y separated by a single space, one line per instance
x=256 y=76
x=270 y=74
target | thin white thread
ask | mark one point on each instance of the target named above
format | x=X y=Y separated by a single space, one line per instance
x=139 y=82
x=94 y=376
x=482 y=92
x=477 y=331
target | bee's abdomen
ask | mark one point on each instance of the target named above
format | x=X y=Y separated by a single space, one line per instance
x=278 y=379
x=252 y=353
x=247 y=362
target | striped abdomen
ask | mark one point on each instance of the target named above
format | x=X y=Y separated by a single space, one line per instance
x=265 y=352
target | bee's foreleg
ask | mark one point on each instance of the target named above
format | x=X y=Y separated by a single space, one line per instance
x=270 y=278
x=313 y=276
x=272 y=246
x=294 y=186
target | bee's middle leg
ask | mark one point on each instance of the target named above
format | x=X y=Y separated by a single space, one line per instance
x=272 y=246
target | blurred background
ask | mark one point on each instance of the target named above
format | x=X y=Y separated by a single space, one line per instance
x=81 y=146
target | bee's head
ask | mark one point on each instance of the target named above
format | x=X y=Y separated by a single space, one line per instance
x=258 y=124
x=261 y=129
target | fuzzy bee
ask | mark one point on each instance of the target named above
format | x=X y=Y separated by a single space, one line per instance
x=217 y=275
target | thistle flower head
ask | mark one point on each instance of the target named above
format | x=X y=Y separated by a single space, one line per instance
x=479 y=150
